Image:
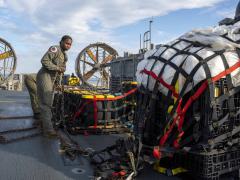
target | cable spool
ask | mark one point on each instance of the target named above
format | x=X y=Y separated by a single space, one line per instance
x=8 y=61
x=91 y=65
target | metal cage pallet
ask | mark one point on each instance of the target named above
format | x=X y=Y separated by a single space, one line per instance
x=209 y=123
x=94 y=113
x=211 y=131
x=209 y=165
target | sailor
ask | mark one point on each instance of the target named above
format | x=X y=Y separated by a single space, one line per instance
x=30 y=82
x=53 y=67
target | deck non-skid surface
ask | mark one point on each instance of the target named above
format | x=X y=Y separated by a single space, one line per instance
x=38 y=158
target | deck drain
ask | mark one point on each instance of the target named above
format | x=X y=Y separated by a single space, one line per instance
x=78 y=171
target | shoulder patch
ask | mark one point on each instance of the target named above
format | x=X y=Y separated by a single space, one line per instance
x=53 y=49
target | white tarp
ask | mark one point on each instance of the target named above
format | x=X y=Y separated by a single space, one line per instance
x=211 y=37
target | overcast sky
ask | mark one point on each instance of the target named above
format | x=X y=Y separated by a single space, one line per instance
x=32 y=26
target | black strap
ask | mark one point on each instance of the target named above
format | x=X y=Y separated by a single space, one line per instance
x=224 y=97
x=231 y=107
x=215 y=141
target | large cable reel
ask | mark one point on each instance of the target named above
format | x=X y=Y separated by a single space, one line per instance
x=92 y=65
x=8 y=61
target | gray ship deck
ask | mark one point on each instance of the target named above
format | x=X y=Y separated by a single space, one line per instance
x=38 y=157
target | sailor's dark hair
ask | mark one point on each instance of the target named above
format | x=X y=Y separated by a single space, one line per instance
x=65 y=37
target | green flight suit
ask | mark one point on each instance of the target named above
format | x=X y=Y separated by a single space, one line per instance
x=52 y=63
x=30 y=82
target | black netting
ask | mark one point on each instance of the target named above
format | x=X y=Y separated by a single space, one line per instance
x=210 y=121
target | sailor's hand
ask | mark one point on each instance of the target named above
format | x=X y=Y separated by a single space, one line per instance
x=62 y=69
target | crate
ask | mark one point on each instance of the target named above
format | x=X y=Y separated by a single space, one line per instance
x=88 y=111
x=215 y=118
x=209 y=165
x=207 y=124
x=212 y=141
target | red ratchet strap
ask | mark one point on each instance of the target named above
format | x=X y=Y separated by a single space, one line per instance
x=159 y=79
x=165 y=136
x=95 y=111
x=200 y=90
x=118 y=97
x=77 y=114
x=227 y=71
x=119 y=174
x=181 y=112
x=95 y=115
